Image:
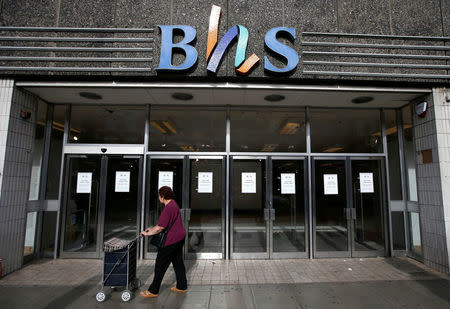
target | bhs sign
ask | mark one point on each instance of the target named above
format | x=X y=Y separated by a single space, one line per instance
x=215 y=51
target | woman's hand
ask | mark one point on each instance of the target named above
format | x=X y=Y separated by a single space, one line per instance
x=152 y=230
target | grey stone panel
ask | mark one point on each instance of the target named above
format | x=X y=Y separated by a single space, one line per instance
x=364 y=16
x=86 y=14
x=196 y=13
x=417 y=17
x=445 y=16
x=312 y=16
x=258 y=17
x=29 y=13
x=142 y=14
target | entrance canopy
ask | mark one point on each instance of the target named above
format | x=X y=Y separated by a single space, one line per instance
x=222 y=94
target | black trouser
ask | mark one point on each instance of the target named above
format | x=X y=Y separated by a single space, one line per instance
x=169 y=254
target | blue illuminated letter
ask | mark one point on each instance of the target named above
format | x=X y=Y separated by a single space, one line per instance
x=279 y=48
x=168 y=46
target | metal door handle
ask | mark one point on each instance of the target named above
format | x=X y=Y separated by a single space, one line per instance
x=353 y=213
x=266 y=214
x=272 y=214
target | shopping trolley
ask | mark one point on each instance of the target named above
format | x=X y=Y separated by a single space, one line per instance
x=119 y=267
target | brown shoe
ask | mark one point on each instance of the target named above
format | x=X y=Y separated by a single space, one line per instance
x=174 y=289
x=148 y=294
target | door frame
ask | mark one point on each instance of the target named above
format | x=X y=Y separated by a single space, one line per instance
x=149 y=158
x=187 y=209
x=329 y=254
x=298 y=254
x=351 y=252
x=104 y=158
x=383 y=198
x=250 y=255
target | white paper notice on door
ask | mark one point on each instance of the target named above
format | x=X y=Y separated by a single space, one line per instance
x=287 y=183
x=205 y=182
x=122 y=181
x=84 y=182
x=366 y=183
x=165 y=179
x=248 y=181
x=330 y=184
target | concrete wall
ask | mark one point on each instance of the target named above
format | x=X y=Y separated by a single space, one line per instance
x=433 y=132
x=15 y=171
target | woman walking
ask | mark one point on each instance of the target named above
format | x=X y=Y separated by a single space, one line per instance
x=172 y=252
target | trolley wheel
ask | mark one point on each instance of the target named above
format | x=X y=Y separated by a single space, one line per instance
x=100 y=296
x=125 y=296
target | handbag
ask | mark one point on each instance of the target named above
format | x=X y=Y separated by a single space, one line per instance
x=159 y=239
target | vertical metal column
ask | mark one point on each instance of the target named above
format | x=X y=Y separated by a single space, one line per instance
x=61 y=178
x=388 y=227
x=144 y=177
x=401 y=153
x=43 y=176
x=227 y=190
x=310 y=211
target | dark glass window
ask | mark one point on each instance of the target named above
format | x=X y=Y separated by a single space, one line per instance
x=395 y=181
x=107 y=124
x=56 y=145
x=268 y=130
x=346 y=130
x=187 y=129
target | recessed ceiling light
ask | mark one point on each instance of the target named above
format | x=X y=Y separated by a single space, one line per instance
x=90 y=95
x=362 y=100
x=182 y=96
x=274 y=97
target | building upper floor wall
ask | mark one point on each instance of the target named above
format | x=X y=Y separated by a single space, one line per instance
x=387 y=51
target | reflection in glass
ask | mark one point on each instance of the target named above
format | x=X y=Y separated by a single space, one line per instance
x=398 y=230
x=155 y=207
x=82 y=208
x=56 y=145
x=30 y=233
x=121 y=207
x=205 y=225
x=331 y=223
x=289 y=224
x=38 y=151
x=346 y=130
x=48 y=233
x=107 y=124
x=268 y=130
x=410 y=160
x=369 y=206
x=249 y=226
x=187 y=129
x=416 y=244
x=395 y=182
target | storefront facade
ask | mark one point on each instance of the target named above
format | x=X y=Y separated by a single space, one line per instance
x=287 y=130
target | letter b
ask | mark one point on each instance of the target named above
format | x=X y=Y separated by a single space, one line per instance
x=168 y=46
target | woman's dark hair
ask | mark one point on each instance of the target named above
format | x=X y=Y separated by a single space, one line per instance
x=166 y=193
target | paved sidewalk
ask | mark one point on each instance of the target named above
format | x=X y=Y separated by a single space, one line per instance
x=321 y=283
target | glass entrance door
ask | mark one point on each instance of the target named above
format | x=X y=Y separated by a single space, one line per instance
x=205 y=215
x=368 y=207
x=289 y=208
x=348 y=205
x=102 y=201
x=250 y=213
x=162 y=172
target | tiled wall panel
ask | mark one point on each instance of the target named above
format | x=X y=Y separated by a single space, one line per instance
x=16 y=141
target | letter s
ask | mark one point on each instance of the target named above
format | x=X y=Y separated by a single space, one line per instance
x=279 y=48
x=167 y=47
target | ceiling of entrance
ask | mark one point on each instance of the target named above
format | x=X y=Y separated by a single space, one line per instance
x=241 y=95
